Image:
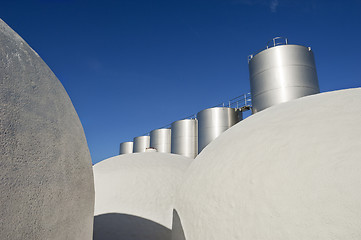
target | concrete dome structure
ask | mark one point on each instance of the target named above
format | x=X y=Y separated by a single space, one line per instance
x=291 y=171
x=46 y=187
x=134 y=195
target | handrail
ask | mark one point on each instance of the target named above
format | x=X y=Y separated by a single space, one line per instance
x=244 y=98
x=240 y=102
x=274 y=40
x=275 y=43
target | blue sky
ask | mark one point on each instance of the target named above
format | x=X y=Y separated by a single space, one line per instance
x=131 y=66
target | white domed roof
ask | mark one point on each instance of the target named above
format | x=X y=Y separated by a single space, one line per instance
x=46 y=189
x=134 y=195
x=292 y=171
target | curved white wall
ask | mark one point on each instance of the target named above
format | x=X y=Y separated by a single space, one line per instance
x=134 y=195
x=291 y=171
x=46 y=180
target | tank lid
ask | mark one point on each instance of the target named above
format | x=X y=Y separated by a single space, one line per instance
x=276 y=41
x=185 y=120
x=141 y=137
x=160 y=129
x=217 y=108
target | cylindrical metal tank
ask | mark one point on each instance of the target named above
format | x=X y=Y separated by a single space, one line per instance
x=126 y=147
x=140 y=144
x=282 y=73
x=185 y=137
x=214 y=121
x=160 y=139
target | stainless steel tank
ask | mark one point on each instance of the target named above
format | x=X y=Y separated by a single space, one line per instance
x=140 y=144
x=185 y=137
x=160 y=139
x=214 y=121
x=281 y=73
x=126 y=147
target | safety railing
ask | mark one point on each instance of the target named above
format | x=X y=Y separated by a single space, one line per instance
x=237 y=102
x=242 y=102
x=271 y=43
x=277 y=41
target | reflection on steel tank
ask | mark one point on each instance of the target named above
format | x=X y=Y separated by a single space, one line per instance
x=185 y=137
x=280 y=73
x=140 y=144
x=125 y=148
x=212 y=122
x=160 y=139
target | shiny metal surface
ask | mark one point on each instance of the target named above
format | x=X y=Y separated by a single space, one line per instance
x=160 y=139
x=280 y=74
x=212 y=122
x=185 y=137
x=126 y=147
x=140 y=144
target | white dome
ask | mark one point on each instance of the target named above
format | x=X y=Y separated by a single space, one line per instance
x=46 y=189
x=134 y=195
x=292 y=171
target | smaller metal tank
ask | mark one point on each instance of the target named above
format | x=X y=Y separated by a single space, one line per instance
x=185 y=137
x=126 y=147
x=140 y=144
x=212 y=122
x=160 y=139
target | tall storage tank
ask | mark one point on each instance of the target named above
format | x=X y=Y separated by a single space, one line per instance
x=140 y=144
x=214 y=121
x=281 y=73
x=185 y=137
x=126 y=147
x=160 y=139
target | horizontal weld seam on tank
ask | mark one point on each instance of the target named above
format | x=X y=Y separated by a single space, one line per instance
x=299 y=65
x=273 y=89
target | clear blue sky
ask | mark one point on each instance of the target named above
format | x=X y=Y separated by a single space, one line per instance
x=131 y=66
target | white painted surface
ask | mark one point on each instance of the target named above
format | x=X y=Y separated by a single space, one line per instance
x=292 y=171
x=141 y=185
x=46 y=179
